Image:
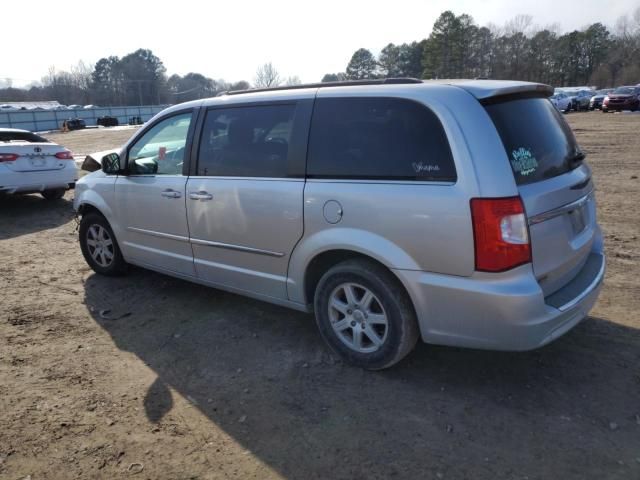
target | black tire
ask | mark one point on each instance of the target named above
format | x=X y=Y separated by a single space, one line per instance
x=117 y=266
x=53 y=194
x=401 y=329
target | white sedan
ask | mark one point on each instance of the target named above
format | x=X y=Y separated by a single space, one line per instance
x=30 y=163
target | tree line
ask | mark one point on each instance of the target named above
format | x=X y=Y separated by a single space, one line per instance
x=459 y=48
x=138 y=78
x=456 y=48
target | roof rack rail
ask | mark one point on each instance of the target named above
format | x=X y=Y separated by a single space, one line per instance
x=346 y=83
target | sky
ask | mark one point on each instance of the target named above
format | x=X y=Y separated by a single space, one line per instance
x=230 y=39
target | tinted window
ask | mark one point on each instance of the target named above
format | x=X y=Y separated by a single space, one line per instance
x=377 y=138
x=538 y=141
x=161 y=150
x=9 y=136
x=246 y=141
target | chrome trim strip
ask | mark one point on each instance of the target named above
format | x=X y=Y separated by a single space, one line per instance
x=207 y=243
x=153 y=233
x=592 y=286
x=239 y=248
x=556 y=212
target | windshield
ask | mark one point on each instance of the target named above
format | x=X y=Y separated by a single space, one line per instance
x=624 y=90
x=538 y=141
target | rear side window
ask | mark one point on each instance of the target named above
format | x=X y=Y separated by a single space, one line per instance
x=378 y=138
x=250 y=141
x=538 y=141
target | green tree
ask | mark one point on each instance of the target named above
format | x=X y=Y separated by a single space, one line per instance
x=191 y=87
x=107 y=81
x=443 y=49
x=595 y=48
x=144 y=77
x=389 y=61
x=410 y=59
x=362 y=65
x=334 y=77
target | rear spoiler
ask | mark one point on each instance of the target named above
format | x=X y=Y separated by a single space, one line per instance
x=490 y=91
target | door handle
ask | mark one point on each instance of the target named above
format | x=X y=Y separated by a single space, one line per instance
x=200 y=195
x=171 y=193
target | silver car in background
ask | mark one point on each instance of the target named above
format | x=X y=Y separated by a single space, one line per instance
x=561 y=101
x=458 y=212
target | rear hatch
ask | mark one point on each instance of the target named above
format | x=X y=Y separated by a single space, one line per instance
x=554 y=184
x=33 y=156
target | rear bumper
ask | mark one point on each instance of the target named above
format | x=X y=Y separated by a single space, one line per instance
x=30 y=182
x=500 y=312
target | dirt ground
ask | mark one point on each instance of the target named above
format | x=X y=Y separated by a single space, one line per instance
x=83 y=142
x=152 y=377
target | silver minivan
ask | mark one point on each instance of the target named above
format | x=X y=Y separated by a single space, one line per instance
x=458 y=212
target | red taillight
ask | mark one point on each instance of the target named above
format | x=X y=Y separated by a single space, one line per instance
x=8 y=157
x=500 y=233
x=64 y=155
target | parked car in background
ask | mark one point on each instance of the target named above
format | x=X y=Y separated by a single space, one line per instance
x=75 y=107
x=89 y=107
x=30 y=163
x=622 y=98
x=580 y=99
x=596 y=101
x=460 y=212
x=108 y=121
x=8 y=108
x=561 y=101
x=74 y=124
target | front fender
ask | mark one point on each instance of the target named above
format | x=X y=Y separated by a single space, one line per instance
x=97 y=191
x=352 y=239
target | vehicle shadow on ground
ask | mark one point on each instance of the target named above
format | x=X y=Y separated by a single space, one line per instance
x=24 y=214
x=262 y=374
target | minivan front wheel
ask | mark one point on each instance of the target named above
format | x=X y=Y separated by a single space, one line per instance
x=99 y=246
x=365 y=315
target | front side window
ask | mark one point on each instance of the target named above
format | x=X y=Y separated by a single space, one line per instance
x=378 y=138
x=250 y=141
x=161 y=150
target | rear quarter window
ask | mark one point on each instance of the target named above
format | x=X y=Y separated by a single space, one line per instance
x=378 y=138
x=538 y=141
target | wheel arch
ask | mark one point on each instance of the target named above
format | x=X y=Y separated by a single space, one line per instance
x=320 y=251
x=89 y=201
x=323 y=261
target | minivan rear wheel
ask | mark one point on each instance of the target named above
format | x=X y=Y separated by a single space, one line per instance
x=99 y=246
x=365 y=315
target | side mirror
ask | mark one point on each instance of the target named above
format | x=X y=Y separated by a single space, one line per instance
x=111 y=164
